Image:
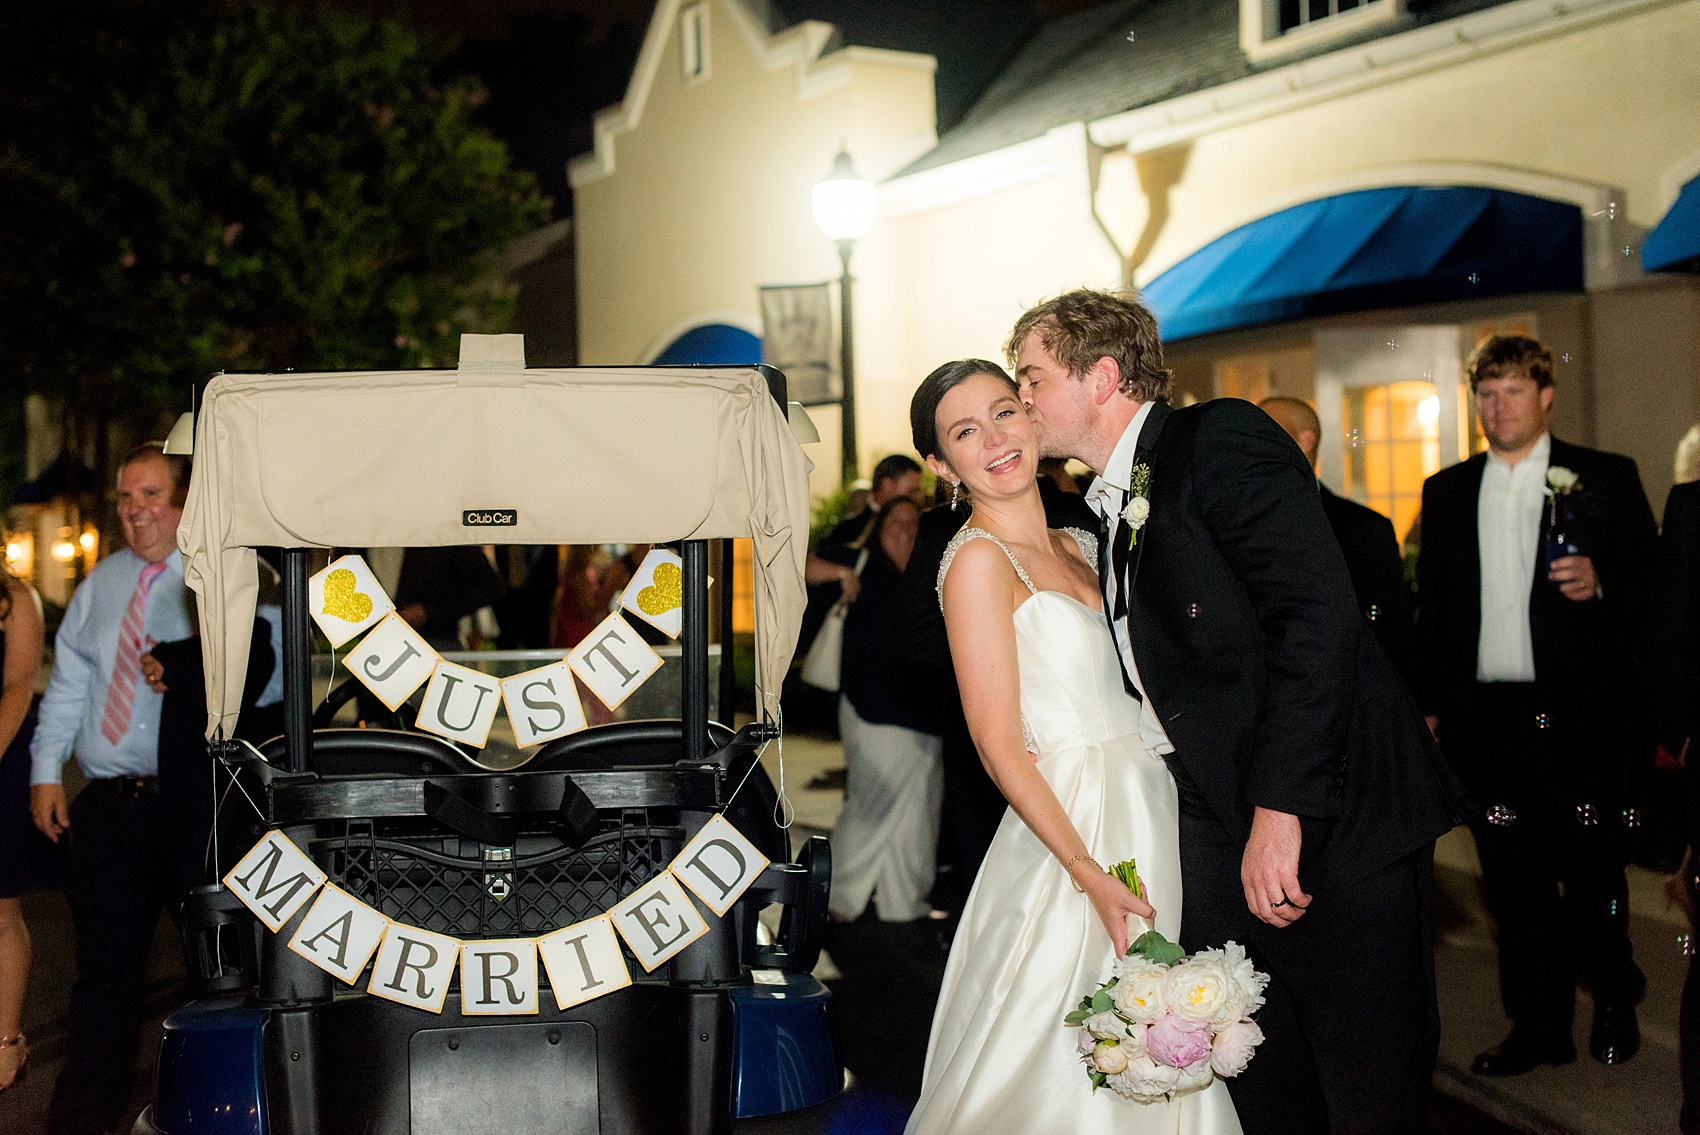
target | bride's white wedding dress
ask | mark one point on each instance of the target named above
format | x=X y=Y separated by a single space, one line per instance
x=1030 y=946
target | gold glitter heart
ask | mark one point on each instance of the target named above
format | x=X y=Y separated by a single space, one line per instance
x=342 y=601
x=665 y=593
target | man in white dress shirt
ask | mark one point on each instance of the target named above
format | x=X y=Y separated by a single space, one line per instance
x=121 y=858
x=1526 y=654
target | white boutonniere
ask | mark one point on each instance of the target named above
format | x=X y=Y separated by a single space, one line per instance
x=1562 y=481
x=1138 y=508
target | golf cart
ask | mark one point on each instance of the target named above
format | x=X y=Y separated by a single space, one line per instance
x=423 y=831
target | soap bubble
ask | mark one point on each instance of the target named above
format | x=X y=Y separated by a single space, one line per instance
x=1130 y=37
x=1587 y=815
x=1392 y=344
x=1475 y=279
x=1685 y=943
x=1354 y=439
x=1628 y=250
x=1564 y=358
x=1501 y=816
x=1631 y=818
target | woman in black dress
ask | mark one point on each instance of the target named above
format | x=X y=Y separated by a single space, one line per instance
x=26 y=856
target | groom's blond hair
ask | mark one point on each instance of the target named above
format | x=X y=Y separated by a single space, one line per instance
x=1080 y=327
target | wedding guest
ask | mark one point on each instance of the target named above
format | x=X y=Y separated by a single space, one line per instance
x=26 y=859
x=1677 y=684
x=827 y=571
x=886 y=836
x=590 y=579
x=1365 y=536
x=1526 y=660
x=121 y=860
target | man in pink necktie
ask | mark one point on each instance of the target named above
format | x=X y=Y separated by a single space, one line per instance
x=122 y=851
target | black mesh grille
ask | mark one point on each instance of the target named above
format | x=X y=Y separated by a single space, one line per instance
x=456 y=894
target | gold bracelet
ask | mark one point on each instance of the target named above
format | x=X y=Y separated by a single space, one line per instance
x=1072 y=862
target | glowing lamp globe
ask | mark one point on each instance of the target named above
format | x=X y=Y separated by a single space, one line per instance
x=844 y=203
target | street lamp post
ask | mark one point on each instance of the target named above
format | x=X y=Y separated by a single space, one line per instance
x=844 y=210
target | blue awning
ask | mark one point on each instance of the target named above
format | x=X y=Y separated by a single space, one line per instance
x=716 y=344
x=1674 y=243
x=1373 y=248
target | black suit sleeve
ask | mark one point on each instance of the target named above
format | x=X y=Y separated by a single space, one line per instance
x=1385 y=595
x=1676 y=656
x=1257 y=496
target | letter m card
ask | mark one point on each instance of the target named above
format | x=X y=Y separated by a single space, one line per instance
x=657 y=921
x=719 y=865
x=274 y=880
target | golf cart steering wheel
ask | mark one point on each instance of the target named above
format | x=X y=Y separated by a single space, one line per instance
x=339 y=696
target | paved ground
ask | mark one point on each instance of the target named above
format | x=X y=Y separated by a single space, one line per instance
x=886 y=978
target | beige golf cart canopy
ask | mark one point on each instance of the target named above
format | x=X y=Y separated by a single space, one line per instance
x=582 y=456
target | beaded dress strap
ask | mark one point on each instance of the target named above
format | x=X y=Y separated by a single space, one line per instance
x=1088 y=542
x=962 y=538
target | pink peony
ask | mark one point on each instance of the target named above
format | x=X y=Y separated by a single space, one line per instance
x=1232 y=1050
x=1178 y=1042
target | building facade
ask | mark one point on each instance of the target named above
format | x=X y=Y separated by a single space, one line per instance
x=1335 y=205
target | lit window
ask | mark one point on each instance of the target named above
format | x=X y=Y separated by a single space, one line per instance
x=693 y=43
x=1392 y=446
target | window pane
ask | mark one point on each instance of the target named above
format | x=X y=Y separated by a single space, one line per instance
x=1289 y=14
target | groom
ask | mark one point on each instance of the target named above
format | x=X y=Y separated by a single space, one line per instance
x=1311 y=792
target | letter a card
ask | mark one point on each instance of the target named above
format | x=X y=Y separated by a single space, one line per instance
x=657 y=921
x=613 y=661
x=543 y=704
x=584 y=961
x=656 y=593
x=460 y=704
x=392 y=661
x=346 y=598
x=274 y=880
x=414 y=967
x=339 y=934
x=719 y=865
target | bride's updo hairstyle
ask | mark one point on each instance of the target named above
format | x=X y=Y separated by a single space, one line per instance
x=924 y=406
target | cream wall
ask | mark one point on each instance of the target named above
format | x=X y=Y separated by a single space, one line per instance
x=709 y=196
x=1613 y=105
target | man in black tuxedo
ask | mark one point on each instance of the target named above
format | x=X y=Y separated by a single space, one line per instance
x=1366 y=538
x=1311 y=792
x=1525 y=663
x=1677 y=670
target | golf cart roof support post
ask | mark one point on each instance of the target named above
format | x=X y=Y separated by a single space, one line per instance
x=693 y=656
x=297 y=664
x=724 y=707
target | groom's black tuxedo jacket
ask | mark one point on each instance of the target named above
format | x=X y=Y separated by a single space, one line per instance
x=1249 y=642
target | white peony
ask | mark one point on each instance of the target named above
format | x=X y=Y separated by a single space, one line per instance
x=1109 y=1057
x=1234 y=1047
x=1107 y=1025
x=1145 y=1080
x=1194 y=1076
x=1136 y=512
x=1200 y=989
x=1560 y=479
x=1084 y=1043
x=1139 y=989
x=1245 y=983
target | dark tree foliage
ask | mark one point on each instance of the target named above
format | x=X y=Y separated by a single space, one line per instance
x=195 y=185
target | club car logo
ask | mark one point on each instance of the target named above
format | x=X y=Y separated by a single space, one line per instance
x=489 y=517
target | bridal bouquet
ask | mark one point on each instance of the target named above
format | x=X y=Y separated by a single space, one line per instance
x=1165 y=1022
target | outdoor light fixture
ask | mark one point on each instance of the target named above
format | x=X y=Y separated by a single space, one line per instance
x=64 y=550
x=844 y=209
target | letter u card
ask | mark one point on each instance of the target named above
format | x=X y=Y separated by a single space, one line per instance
x=346 y=598
x=460 y=704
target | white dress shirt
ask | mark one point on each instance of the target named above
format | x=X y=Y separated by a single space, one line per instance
x=1508 y=532
x=84 y=652
x=1108 y=496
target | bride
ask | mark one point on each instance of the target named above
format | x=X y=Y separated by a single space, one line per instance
x=1042 y=692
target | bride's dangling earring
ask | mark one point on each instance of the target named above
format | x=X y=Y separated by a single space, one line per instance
x=955 y=494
